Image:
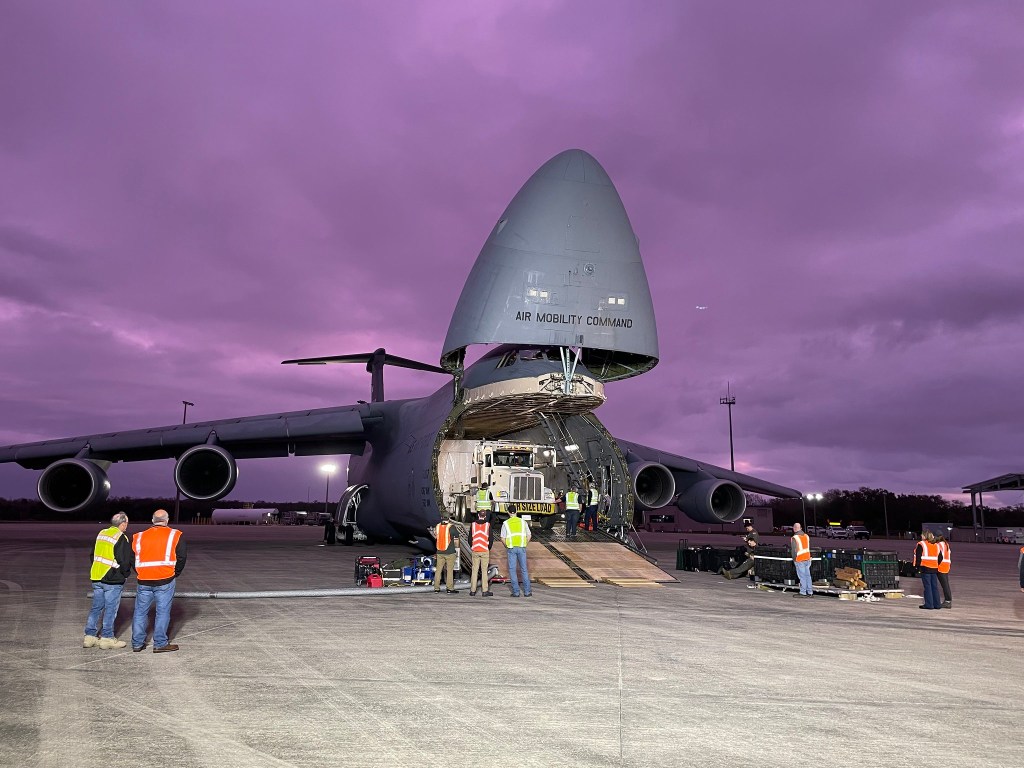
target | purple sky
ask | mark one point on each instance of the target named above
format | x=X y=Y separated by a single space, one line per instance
x=193 y=192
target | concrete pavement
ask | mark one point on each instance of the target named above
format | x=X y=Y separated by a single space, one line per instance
x=702 y=673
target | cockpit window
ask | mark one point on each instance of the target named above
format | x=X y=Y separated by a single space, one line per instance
x=534 y=354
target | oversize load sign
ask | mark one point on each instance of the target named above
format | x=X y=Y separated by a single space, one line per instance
x=530 y=506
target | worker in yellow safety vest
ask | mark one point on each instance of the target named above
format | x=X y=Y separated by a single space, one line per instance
x=160 y=554
x=447 y=547
x=927 y=558
x=572 y=513
x=111 y=565
x=800 y=549
x=945 y=561
x=590 y=516
x=515 y=533
x=480 y=544
x=485 y=500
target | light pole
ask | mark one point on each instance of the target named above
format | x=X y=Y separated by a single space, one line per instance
x=814 y=497
x=885 y=511
x=328 y=469
x=177 y=490
x=730 y=401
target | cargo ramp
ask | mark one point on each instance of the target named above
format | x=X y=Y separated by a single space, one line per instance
x=593 y=556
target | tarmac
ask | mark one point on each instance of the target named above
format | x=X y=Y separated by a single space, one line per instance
x=705 y=672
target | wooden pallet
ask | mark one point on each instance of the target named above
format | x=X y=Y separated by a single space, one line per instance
x=575 y=581
x=631 y=582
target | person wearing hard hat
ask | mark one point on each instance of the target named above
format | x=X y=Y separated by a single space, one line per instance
x=480 y=544
x=112 y=561
x=515 y=533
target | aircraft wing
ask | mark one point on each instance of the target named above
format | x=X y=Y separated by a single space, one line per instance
x=683 y=465
x=304 y=433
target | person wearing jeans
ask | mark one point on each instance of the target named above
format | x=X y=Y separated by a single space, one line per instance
x=145 y=597
x=111 y=564
x=515 y=533
x=159 y=560
x=800 y=548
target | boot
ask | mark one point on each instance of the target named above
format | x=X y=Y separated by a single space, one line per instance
x=106 y=643
x=948 y=604
x=728 y=575
x=90 y=641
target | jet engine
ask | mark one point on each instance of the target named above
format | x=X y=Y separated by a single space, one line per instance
x=71 y=485
x=206 y=472
x=713 y=501
x=653 y=484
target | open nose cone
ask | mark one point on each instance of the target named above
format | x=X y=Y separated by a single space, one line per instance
x=561 y=267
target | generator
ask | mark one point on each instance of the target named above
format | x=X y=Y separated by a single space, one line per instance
x=366 y=567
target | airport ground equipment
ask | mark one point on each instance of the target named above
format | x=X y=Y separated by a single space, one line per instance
x=366 y=567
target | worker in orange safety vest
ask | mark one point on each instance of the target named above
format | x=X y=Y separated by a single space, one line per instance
x=926 y=558
x=159 y=559
x=800 y=549
x=480 y=544
x=945 y=560
x=447 y=548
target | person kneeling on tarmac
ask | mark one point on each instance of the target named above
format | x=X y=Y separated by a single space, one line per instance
x=746 y=552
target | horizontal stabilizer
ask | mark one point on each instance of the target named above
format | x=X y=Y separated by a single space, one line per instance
x=375 y=362
x=369 y=358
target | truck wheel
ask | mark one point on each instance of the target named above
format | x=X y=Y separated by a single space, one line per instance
x=547 y=522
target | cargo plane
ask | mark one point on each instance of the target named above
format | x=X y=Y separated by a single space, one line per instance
x=559 y=296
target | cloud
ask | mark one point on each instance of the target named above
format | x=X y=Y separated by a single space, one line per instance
x=196 y=192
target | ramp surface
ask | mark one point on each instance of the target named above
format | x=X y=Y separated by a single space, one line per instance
x=605 y=561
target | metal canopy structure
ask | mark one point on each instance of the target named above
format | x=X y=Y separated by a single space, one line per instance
x=1009 y=482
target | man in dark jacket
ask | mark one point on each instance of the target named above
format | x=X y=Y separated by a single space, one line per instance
x=744 y=554
x=112 y=559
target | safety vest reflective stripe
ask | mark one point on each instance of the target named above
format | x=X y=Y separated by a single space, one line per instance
x=516 y=532
x=481 y=537
x=572 y=500
x=444 y=536
x=149 y=546
x=929 y=554
x=803 y=547
x=483 y=500
x=947 y=557
x=103 y=553
x=594 y=496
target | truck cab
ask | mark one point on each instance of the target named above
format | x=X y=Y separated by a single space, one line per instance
x=514 y=472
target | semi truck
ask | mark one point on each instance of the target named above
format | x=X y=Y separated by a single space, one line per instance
x=515 y=472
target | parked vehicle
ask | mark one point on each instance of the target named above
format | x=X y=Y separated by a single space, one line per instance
x=838 y=533
x=817 y=530
x=858 y=532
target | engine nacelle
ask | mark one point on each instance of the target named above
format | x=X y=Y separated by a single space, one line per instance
x=71 y=485
x=713 y=501
x=206 y=473
x=653 y=484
